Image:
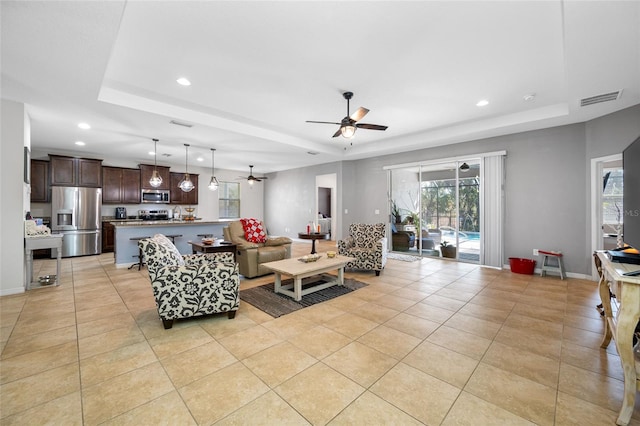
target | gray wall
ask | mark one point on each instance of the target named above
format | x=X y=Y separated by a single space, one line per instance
x=546 y=191
x=290 y=198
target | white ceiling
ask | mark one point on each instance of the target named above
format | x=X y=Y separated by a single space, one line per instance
x=259 y=70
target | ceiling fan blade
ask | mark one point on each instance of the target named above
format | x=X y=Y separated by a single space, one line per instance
x=370 y=126
x=359 y=114
x=338 y=133
x=323 y=122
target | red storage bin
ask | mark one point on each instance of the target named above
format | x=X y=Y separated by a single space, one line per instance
x=522 y=266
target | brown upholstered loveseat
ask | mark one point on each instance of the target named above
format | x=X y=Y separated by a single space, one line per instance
x=251 y=256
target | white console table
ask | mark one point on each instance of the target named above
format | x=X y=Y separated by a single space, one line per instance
x=622 y=326
x=52 y=241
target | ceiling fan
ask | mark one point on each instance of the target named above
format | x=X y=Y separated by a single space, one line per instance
x=251 y=178
x=349 y=124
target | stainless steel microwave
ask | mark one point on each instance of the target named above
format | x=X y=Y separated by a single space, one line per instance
x=158 y=196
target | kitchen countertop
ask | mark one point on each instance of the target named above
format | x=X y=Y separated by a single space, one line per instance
x=169 y=222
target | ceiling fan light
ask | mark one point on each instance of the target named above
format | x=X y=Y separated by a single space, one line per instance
x=185 y=184
x=213 y=183
x=348 y=131
x=156 y=179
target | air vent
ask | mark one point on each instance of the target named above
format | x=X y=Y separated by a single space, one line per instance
x=178 y=123
x=613 y=96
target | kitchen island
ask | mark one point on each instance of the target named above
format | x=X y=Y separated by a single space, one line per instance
x=126 y=249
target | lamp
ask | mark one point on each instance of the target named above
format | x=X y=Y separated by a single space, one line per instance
x=213 y=183
x=185 y=184
x=464 y=167
x=155 y=180
x=348 y=131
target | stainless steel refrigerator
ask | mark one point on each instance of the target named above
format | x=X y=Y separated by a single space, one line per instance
x=76 y=213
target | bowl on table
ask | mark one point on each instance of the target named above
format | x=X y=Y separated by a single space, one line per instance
x=207 y=241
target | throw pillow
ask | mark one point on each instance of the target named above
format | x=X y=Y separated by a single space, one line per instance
x=168 y=251
x=253 y=230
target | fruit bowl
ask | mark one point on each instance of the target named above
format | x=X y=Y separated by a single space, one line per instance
x=207 y=241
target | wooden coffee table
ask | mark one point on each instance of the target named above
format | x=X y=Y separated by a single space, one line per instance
x=299 y=270
x=216 y=247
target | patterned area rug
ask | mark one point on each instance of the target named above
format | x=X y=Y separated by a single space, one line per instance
x=276 y=305
x=403 y=257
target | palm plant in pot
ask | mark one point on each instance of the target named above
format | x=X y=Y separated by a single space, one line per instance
x=447 y=250
x=395 y=212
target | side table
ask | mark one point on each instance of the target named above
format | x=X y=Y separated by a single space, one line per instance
x=621 y=327
x=216 y=247
x=313 y=237
x=52 y=241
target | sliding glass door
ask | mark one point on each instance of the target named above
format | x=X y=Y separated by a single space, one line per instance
x=439 y=209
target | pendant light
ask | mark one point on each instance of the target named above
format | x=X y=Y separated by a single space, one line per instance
x=185 y=184
x=213 y=183
x=155 y=180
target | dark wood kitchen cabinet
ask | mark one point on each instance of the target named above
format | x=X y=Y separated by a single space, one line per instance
x=71 y=171
x=146 y=171
x=40 y=181
x=180 y=197
x=108 y=237
x=120 y=185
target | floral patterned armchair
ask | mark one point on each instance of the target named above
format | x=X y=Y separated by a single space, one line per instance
x=190 y=285
x=368 y=244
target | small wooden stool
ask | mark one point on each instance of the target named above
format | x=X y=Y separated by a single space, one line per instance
x=173 y=237
x=140 y=256
x=546 y=267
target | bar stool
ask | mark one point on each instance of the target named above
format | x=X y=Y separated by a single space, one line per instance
x=558 y=265
x=139 y=255
x=173 y=237
x=205 y=235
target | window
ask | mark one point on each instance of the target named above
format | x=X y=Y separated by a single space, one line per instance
x=612 y=207
x=229 y=200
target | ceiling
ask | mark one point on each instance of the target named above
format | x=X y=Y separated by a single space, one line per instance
x=259 y=70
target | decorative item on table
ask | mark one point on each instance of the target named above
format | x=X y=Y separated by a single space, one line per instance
x=31 y=229
x=189 y=215
x=309 y=258
x=331 y=254
x=208 y=241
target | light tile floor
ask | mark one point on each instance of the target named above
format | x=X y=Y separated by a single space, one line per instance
x=430 y=342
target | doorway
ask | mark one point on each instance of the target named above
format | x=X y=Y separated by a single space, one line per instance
x=455 y=203
x=606 y=207
x=326 y=207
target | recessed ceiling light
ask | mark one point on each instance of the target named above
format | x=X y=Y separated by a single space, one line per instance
x=530 y=97
x=199 y=159
x=84 y=126
x=80 y=143
x=183 y=81
x=482 y=103
x=152 y=153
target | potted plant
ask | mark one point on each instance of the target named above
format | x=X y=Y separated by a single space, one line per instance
x=395 y=211
x=447 y=250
